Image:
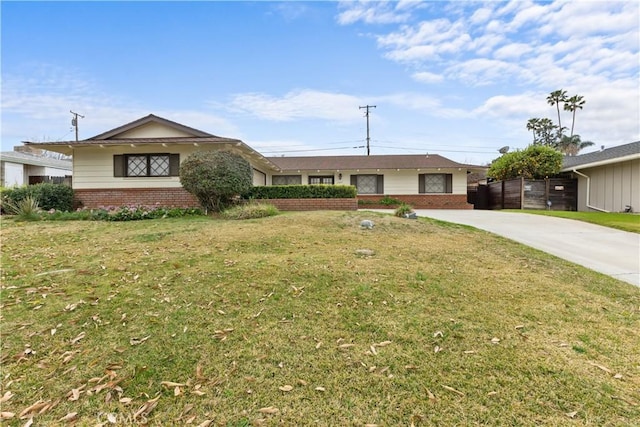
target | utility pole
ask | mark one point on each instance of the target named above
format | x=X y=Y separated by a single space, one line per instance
x=74 y=121
x=367 y=116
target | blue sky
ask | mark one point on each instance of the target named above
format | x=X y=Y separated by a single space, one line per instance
x=459 y=79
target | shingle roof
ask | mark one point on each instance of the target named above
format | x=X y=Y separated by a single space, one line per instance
x=365 y=162
x=608 y=155
x=30 y=159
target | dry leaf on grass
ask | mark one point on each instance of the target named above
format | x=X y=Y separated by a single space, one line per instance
x=604 y=368
x=453 y=390
x=5 y=415
x=71 y=416
x=205 y=423
x=346 y=345
x=438 y=334
x=269 y=410
x=6 y=396
x=285 y=388
x=78 y=338
x=320 y=389
x=146 y=408
x=495 y=340
x=170 y=384
x=32 y=409
x=382 y=344
x=138 y=341
x=571 y=414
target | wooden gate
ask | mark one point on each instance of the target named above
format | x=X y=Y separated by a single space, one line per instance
x=558 y=194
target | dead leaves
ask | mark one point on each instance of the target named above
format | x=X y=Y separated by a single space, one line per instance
x=269 y=410
x=138 y=341
x=222 y=334
x=286 y=388
x=144 y=410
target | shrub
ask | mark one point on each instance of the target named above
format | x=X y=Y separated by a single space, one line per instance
x=534 y=162
x=301 y=192
x=215 y=178
x=26 y=209
x=49 y=196
x=390 y=201
x=403 y=210
x=250 y=210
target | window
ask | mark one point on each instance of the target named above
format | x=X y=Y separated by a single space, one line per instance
x=286 y=180
x=327 y=180
x=435 y=183
x=145 y=165
x=368 y=184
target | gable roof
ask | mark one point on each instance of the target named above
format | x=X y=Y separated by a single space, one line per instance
x=603 y=157
x=151 y=118
x=30 y=159
x=409 y=161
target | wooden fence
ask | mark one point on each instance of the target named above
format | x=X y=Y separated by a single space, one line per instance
x=558 y=194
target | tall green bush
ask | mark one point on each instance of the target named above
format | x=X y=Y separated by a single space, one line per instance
x=216 y=177
x=48 y=196
x=534 y=162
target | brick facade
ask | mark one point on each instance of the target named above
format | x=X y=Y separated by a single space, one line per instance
x=116 y=197
x=179 y=197
x=421 y=201
x=314 y=204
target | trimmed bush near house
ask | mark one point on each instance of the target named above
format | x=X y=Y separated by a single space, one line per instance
x=301 y=192
x=403 y=210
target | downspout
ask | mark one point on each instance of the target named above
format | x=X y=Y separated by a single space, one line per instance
x=589 y=191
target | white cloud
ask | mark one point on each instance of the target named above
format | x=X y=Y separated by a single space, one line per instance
x=299 y=104
x=375 y=12
x=427 y=77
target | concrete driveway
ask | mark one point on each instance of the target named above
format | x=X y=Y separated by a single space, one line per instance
x=606 y=250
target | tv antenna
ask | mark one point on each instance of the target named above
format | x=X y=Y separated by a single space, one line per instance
x=74 y=121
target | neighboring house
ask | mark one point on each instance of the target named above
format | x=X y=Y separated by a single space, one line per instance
x=18 y=168
x=609 y=179
x=138 y=163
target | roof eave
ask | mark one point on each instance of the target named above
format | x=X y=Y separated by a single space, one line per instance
x=601 y=162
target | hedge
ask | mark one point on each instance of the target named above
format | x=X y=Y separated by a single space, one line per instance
x=49 y=196
x=302 y=192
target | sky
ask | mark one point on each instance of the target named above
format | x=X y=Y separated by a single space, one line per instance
x=460 y=79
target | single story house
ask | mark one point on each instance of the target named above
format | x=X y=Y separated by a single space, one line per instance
x=609 y=179
x=138 y=163
x=20 y=168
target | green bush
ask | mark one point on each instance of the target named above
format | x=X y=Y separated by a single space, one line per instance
x=390 y=201
x=301 y=192
x=216 y=178
x=250 y=210
x=534 y=162
x=26 y=209
x=403 y=210
x=49 y=196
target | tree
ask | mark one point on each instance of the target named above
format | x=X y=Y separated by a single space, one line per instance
x=534 y=162
x=544 y=131
x=555 y=98
x=215 y=177
x=572 y=104
x=571 y=145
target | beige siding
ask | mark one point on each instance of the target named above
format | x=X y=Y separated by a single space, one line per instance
x=403 y=181
x=612 y=187
x=153 y=130
x=93 y=167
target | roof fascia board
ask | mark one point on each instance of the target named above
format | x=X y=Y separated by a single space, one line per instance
x=601 y=162
x=145 y=120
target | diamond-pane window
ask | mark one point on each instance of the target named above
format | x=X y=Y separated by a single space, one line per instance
x=367 y=184
x=159 y=165
x=434 y=183
x=137 y=166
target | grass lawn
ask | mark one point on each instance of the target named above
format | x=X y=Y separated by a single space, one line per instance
x=287 y=321
x=621 y=221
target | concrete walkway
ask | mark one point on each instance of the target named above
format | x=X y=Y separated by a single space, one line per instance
x=606 y=250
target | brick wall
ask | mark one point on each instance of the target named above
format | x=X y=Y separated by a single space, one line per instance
x=179 y=197
x=421 y=201
x=314 y=204
x=165 y=197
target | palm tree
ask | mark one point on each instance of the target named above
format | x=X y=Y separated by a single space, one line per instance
x=533 y=125
x=572 y=104
x=546 y=130
x=555 y=98
x=571 y=145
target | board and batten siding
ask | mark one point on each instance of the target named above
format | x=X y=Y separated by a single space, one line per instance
x=613 y=187
x=93 y=168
